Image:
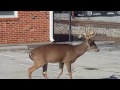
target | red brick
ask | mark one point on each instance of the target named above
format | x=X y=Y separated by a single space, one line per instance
x=24 y=29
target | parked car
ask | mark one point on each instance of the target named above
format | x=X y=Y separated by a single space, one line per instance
x=90 y=13
x=60 y=11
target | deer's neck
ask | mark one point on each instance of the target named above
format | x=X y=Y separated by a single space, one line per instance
x=82 y=48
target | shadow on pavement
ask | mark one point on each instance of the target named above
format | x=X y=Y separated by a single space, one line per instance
x=111 y=77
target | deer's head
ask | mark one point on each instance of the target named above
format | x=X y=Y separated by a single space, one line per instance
x=90 y=41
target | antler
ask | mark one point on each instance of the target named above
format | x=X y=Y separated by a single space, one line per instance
x=89 y=34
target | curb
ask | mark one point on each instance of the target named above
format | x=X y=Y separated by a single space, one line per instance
x=28 y=47
x=14 y=48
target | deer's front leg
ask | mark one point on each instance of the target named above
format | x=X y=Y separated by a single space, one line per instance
x=61 y=65
x=68 y=65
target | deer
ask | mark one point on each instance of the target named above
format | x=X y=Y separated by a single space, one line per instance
x=64 y=54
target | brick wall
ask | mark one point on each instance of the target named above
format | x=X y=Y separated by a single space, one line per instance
x=29 y=27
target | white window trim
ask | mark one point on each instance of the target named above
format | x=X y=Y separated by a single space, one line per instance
x=10 y=16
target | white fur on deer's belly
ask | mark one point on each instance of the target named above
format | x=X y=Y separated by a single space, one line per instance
x=54 y=60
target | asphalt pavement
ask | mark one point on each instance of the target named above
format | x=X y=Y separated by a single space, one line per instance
x=105 y=64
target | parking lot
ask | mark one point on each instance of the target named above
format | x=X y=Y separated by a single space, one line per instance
x=96 y=17
x=105 y=64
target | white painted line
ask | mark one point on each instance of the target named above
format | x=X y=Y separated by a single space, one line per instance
x=104 y=56
x=23 y=58
x=13 y=56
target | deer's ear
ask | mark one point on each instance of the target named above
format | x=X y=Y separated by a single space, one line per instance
x=81 y=36
x=92 y=34
x=86 y=36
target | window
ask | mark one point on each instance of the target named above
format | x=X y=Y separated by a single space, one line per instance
x=8 y=14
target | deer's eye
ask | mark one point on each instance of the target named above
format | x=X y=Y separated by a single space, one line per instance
x=92 y=43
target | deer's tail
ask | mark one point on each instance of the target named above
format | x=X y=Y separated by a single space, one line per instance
x=30 y=55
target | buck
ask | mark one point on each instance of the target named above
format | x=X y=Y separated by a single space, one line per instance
x=60 y=53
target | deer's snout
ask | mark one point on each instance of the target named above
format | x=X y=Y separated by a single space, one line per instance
x=97 y=50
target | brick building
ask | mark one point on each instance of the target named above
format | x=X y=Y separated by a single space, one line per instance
x=19 y=27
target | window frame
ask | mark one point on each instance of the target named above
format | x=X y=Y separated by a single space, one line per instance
x=10 y=16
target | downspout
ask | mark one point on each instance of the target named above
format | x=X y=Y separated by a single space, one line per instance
x=51 y=26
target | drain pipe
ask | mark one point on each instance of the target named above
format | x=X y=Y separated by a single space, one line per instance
x=51 y=26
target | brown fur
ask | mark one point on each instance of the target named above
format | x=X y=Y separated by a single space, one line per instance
x=58 y=53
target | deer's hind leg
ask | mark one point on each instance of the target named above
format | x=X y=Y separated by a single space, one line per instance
x=37 y=64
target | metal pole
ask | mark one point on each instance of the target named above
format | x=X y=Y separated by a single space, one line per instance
x=69 y=26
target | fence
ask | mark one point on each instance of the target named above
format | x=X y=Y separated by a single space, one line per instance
x=105 y=23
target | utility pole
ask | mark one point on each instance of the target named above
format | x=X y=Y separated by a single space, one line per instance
x=73 y=16
x=70 y=26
